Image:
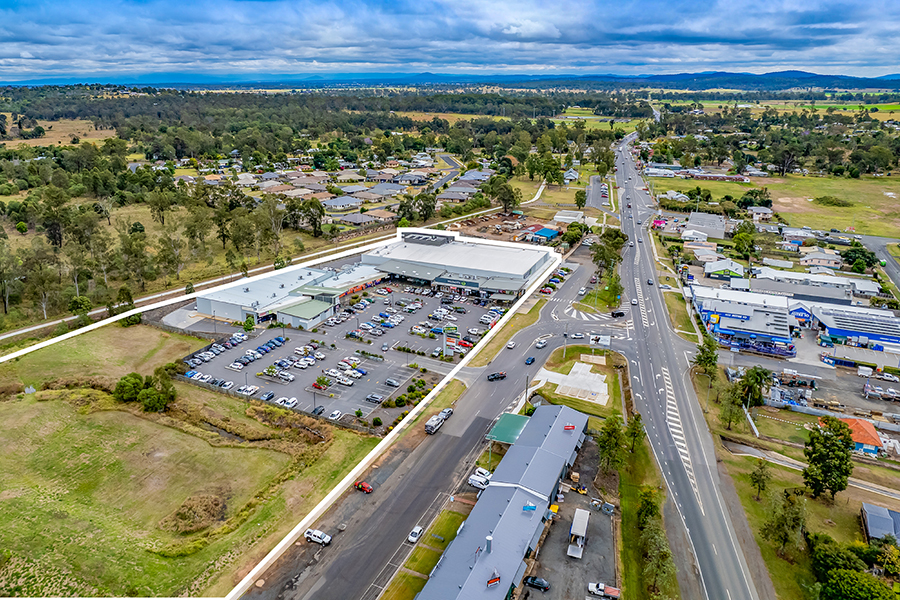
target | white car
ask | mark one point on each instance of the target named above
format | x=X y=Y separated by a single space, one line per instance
x=291 y=403
x=353 y=373
x=319 y=356
x=450 y=318
x=345 y=381
x=319 y=537
x=890 y=377
x=474 y=331
x=335 y=415
x=281 y=401
x=415 y=534
x=634 y=301
x=540 y=344
x=478 y=482
x=582 y=292
x=483 y=473
x=510 y=345
x=227 y=385
x=333 y=373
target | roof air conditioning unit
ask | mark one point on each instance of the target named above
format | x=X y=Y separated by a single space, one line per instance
x=246 y=289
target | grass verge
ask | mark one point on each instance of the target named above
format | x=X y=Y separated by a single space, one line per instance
x=422 y=560
x=517 y=322
x=679 y=317
x=404 y=586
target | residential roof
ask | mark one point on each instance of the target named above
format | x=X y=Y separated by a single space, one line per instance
x=343 y=201
x=880 y=521
x=760 y=210
x=352 y=189
x=380 y=213
x=357 y=219
x=707 y=220
x=722 y=265
x=387 y=189
x=863 y=432
x=821 y=256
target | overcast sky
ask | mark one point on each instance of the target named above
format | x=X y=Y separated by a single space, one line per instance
x=91 y=38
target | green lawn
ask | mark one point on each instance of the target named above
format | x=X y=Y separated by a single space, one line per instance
x=109 y=352
x=774 y=425
x=422 y=560
x=871 y=212
x=446 y=526
x=679 y=317
x=404 y=586
x=85 y=493
x=491 y=457
x=598 y=299
x=561 y=362
x=517 y=322
x=449 y=394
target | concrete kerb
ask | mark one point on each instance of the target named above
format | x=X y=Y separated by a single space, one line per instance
x=376 y=452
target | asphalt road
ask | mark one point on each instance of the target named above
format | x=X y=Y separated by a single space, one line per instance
x=674 y=422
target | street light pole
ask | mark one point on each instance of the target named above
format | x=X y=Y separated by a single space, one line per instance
x=214 y=323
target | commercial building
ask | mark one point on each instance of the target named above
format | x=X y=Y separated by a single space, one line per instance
x=486 y=560
x=723 y=269
x=712 y=225
x=461 y=265
x=304 y=297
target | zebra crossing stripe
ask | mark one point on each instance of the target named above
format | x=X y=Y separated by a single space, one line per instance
x=673 y=421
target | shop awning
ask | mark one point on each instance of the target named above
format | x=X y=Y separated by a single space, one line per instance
x=504 y=297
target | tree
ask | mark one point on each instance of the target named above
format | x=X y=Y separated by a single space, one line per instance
x=313 y=213
x=828 y=555
x=743 y=243
x=274 y=217
x=134 y=256
x=152 y=400
x=580 y=199
x=80 y=305
x=828 y=454
x=425 y=205
x=890 y=559
x=42 y=285
x=760 y=476
x=634 y=431
x=610 y=442
x=648 y=507
x=787 y=518
x=189 y=288
x=843 y=584
x=407 y=209
x=323 y=381
x=128 y=388
x=10 y=272
x=753 y=384
x=509 y=197
x=160 y=203
x=249 y=323
x=707 y=357
x=859 y=266
x=55 y=215
x=404 y=222
x=170 y=254
x=22 y=227
x=732 y=408
x=659 y=567
x=222 y=220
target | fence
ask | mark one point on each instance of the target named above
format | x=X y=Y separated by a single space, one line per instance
x=818 y=412
x=215 y=388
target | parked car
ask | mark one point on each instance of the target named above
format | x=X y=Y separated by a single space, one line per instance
x=318 y=410
x=537 y=583
x=392 y=382
x=478 y=482
x=267 y=396
x=363 y=487
x=335 y=415
x=318 y=537
x=446 y=413
x=415 y=534
x=375 y=398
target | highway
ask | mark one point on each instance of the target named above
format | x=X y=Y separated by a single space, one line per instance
x=663 y=394
x=413 y=481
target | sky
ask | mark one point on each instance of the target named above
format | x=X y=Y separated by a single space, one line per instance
x=244 y=38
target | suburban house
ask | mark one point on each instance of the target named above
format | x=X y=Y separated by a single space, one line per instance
x=879 y=522
x=692 y=235
x=342 y=203
x=723 y=269
x=379 y=214
x=452 y=197
x=356 y=219
x=705 y=255
x=760 y=213
x=368 y=196
x=264 y=185
x=349 y=176
x=387 y=189
x=822 y=259
x=792 y=234
x=411 y=178
x=352 y=189
x=865 y=436
x=570 y=176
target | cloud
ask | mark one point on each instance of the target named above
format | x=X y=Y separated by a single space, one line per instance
x=240 y=37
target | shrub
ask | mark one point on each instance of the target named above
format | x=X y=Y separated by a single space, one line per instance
x=358 y=413
x=376 y=421
x=423 y=369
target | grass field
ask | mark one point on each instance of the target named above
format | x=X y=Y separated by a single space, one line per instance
x=84 y=494
x=422 y=560
x=451 y=117
x=404 y=586
x=872 y=212
x=679 y=317
x=109 y=352
x=561 y=360
x=445 y=526
x=61 y=133
x=517 y=322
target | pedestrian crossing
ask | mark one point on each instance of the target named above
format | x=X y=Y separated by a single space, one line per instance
x=673 y=420
x=573 y=313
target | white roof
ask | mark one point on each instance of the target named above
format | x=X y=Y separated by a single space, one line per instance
x=738 y=297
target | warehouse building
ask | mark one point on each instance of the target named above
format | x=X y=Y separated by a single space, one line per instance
x=486 y=560
x=460 y=265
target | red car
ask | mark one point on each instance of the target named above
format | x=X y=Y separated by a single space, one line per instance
x=464 y=344
x=363 y=487
x=547 y=290
x=388 y=290
x=318 y=386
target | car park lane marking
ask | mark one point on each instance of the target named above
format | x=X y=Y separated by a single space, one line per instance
x=673 y=420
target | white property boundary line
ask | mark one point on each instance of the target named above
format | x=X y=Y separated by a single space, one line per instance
x=391 y=437
x=377 y=451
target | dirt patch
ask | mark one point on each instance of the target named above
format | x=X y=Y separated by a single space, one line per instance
x=794 y=205
x=195 y=514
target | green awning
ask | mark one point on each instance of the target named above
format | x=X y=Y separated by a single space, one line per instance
x=507 y=428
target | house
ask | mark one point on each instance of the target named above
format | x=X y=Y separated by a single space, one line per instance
x=692 y=235
x=280 y=189
x=368 y=196
x=705 y=255
x=411 y=178
x=321 y=196
x=186 y=179
x=269 y=184
x=879 y=522
x=384 y=216
x=461 y=189
x=211 y=178
x=712 y=225
x=452 y=197
x=387 y=189
x=822 y=259
x=352 y=189
x=349 y=176
x=723 y=269
x=356 y=219
x=473 y=175
x=760 y=213
x=342 y=203
x=865 y=436
x=570 y=176
x=673 y=195
x=269 y=176
x=792 y=234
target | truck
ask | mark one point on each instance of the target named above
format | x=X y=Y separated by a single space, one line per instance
x=603 y=591
x=433 y=424
x=578 y=533
x=864 y=371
